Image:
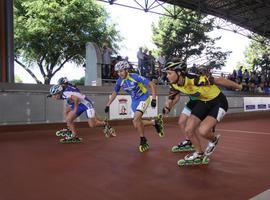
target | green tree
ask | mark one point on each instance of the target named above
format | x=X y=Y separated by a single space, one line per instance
x=78 y=82
x=185 y=37
x=257 y=54
x=48 y=34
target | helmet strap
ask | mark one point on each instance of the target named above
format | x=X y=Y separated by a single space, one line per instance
x=179 y=74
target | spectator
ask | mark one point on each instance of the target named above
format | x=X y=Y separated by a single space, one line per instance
x=260 y=88
x=151 y=61
x=246 y=76
x=240 y=74
x=140 y=59
x=161 y=60
x=234 y=75
x=106 y=60
x=252 y=81
x=145 y=64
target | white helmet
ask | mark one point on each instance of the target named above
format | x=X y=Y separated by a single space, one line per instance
x=56 y=89
x=121 y=65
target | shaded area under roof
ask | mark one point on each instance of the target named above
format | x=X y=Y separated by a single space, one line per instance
x=253 y=15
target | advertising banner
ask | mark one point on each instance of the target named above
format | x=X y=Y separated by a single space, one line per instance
x=256 y=103
x=120 y=108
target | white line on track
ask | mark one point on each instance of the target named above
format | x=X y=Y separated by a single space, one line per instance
x=230 y=130
x=240 y=131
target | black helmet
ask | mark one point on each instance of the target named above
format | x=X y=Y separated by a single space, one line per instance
x=175 y=66
x=62 y=80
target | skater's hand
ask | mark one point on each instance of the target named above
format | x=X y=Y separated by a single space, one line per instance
x=165 y=111
x=107 y=108
x=153 y=103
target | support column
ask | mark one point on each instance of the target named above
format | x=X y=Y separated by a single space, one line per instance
x=93 y=65
x=6 y=41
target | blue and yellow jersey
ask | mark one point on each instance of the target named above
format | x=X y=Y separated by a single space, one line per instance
x=134 y=84
x=197 y=87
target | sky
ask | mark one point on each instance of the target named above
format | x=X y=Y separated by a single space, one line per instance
x=135 y=28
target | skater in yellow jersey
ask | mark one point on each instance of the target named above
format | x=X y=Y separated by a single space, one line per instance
x=207 y=111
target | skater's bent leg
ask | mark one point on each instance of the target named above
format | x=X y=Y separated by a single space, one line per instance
x=191 y=125
x=67 y=110
x=94 y=122
x=148 y=122
x=182 y=121
x=71 y=116
x=206 y=126
x=137 y=123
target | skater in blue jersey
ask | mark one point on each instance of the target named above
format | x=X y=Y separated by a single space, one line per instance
x=78 y=104
x=136 y=86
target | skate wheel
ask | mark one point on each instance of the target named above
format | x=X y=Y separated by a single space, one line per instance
x=175 y=149
x=112 y=132
x=59 y=134
x=205 y=160
x=161 y=134
x=181 y=162
x=143 y=148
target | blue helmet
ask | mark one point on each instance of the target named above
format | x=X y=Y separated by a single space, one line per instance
x=62 y=80
x=56 y=89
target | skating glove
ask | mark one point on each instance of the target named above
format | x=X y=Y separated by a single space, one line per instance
x=165 y=110
x=107 y=108
x=153 y=103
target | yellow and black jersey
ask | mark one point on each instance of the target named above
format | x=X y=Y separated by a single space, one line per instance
x=197 y=87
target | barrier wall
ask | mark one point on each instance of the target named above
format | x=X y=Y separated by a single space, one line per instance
x=27 y=103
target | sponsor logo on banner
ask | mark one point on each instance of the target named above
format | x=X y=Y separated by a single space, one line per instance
x=261 y=106
x=256 y=103
x=250 y=107
x=120 y=108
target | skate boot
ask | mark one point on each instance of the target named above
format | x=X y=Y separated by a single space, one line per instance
x=71 y=139
x=159 y=125
x=108 y=130
x=211 y=146
x=194 y=159
x=63 y=132
x=185 y=145
x=144 y=146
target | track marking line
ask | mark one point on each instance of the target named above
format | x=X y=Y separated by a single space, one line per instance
x=231 y=130
x=240 y=131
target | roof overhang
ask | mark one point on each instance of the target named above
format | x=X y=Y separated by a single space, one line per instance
x=253 y=15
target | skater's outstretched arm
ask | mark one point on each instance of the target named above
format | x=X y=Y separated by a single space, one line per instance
x=113 y=96
x=227 y=83
x=153 y=88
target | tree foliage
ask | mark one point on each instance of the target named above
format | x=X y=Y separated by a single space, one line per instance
x=78 y=81
x=257 y=54
x=185 y=37
x=48 y=34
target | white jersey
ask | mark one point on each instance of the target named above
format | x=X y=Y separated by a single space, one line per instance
x=73 y=91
